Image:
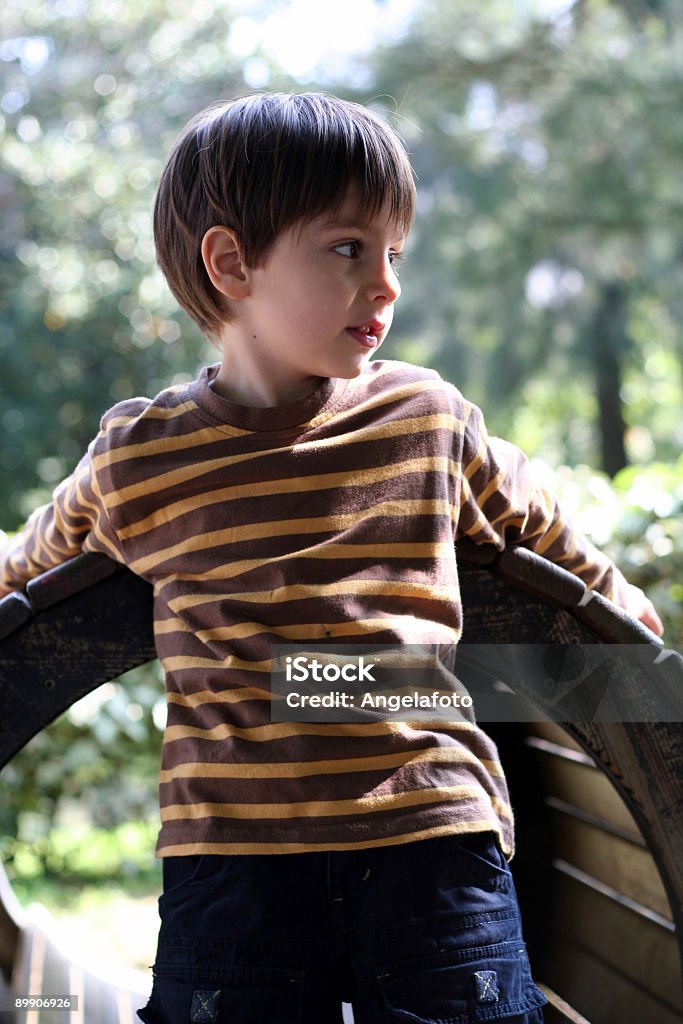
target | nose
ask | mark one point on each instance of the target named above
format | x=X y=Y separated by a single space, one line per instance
x=384 y=283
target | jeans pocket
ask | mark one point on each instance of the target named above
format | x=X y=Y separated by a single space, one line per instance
x=468 y=987
x=475 y=859
x=181 y=876
x=231 y=995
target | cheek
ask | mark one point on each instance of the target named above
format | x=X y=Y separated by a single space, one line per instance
x=310 y=301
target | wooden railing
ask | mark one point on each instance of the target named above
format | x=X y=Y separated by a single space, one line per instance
x=606 y=797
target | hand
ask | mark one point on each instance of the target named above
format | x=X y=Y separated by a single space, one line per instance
x=4 y=591
x=640 y=606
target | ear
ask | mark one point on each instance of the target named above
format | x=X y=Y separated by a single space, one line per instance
x=222 y=258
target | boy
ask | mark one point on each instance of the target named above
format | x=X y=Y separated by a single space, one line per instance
x=297 y=492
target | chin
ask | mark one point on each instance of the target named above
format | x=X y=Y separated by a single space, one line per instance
x=350 y=372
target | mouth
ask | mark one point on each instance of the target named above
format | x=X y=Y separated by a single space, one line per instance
x=367 y=334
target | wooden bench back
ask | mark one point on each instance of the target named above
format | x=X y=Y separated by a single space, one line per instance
x=88 y=621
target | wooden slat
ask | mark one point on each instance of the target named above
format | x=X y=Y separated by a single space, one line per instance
x=597 y=820
x=554 y=733
x=558 y=1010
x=644 y=760
x=11 y=921
x=26 y=955
x=99 y=1003
x=127 y=1006
x=604 y=995
x=632 y=944
x=76 y=986
x=45 y=967
x=586 y=788
x=39 y=970
x=5 y=996
x=29 y=977
x=645 y=763
x=55 y=981
x=617 y=862
x=564 y=753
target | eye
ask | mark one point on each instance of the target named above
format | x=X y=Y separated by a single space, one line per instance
x=396 y=258
x=349 y=249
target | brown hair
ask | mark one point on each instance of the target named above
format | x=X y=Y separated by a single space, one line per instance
x=260 y=164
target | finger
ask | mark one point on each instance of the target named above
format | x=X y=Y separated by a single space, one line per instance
x=652 y=621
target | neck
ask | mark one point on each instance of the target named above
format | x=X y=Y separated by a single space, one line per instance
x=260 y=390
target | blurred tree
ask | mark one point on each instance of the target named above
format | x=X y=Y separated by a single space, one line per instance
x=99 y=761
x=548 y=245
x=544 y=276
x=91 y=96
x=547 y=149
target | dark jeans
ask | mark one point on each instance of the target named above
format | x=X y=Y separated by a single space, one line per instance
x=424 y=932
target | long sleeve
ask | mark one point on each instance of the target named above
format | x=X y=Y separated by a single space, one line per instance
x=74 y=520
x=503 y=503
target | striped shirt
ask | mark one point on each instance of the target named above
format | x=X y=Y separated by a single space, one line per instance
x=331 y=518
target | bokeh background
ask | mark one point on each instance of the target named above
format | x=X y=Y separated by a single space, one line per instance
x=543 y=278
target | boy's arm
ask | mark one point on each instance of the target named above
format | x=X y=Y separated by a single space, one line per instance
x=502 y=503
x=75 y=520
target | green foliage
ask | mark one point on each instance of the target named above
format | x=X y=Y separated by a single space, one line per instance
x=100 y=759
x=543 y=279
x=91 y=97
x=545 y=260
x=83 y=855
x=103 y=890
x=648 y=539
x=637 y=518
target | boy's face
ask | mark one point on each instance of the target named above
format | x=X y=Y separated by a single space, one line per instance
x=322 y=302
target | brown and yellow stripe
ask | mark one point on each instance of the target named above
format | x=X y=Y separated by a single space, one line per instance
x=335 y=519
